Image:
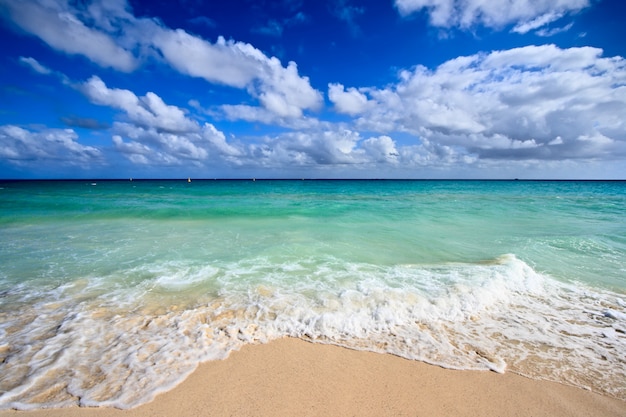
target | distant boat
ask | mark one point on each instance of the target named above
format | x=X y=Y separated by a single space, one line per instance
x=189 y=179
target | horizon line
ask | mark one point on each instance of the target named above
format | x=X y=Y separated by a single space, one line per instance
x=191 y=179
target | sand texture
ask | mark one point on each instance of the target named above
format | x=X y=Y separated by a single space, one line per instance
x=290 y=377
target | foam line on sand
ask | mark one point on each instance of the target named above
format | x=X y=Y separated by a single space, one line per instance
x=290 y=377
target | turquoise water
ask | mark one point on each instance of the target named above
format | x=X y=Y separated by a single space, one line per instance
x=113 y=291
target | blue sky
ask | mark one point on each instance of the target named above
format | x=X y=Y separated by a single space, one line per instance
x=313 y=89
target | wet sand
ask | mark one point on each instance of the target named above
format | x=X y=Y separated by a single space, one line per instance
x=290 y=377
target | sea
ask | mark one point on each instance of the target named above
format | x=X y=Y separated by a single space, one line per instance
x=112 y=292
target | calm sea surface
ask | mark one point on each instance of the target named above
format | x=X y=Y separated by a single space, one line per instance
x=114 y=291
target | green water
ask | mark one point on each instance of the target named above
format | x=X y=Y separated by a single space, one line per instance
x=571 y=230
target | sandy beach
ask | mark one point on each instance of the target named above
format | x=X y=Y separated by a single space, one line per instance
x=290 y=377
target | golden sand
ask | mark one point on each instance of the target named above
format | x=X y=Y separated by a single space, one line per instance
x=290 y=377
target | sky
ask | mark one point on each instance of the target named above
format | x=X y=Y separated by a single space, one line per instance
x=313 y=89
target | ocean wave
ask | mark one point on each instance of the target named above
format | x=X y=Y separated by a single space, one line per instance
x=120 y=340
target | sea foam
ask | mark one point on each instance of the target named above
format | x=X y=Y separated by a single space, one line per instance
x=93 y=344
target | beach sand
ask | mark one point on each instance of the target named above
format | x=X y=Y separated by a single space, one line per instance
x=290 y=377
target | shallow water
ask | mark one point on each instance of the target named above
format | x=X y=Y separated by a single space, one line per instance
x=113 y=292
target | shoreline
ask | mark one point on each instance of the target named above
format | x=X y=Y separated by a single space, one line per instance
x=291 y=377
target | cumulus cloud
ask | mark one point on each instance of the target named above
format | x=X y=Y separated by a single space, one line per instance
x=351 y=101
x=342 y=150
x=280 y=90
x=147 y=111
x=381 y=149
x=536 y=102
x=24 y=147
x=324 y=148
x=106 y=33
x=263 y=115
x=525 y=15
x=157 y=133
x=148 y=146
x=284 y=92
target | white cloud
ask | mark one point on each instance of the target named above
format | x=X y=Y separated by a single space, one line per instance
x=148 y=146
x=147 y=111
x=280 y=90
x=538 y=103
x=107 y=34
x=540 y=21
x=218 y=141
x=284 y=92
x=35 y=65
x=525 y=15
x=511 y=104
x=24 y=147
x=58 y=25
x=350 y=102
x=346 y=150
x=263 y=115
x=157 y=133
x=318 y=148
x=42 y=69
x=136 y=152
x=225 y=62
x=381 y=149
x=545 y=32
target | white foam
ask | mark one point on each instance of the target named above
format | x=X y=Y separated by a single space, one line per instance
x=180 y=276
x=123 y=346
x=616 y=315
